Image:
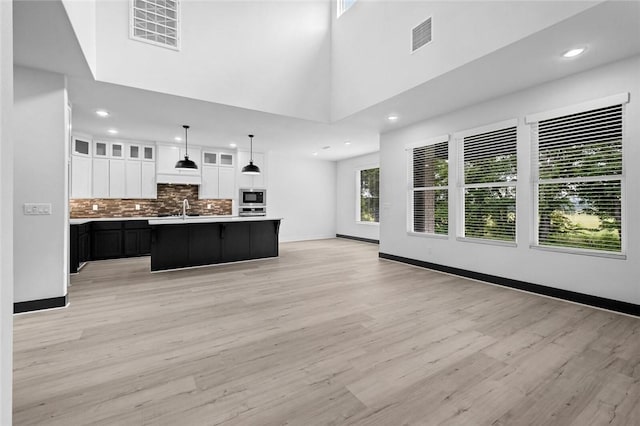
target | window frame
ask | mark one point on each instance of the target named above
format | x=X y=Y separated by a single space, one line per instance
x=532 y=121
x=411 y=189
x=132 y=35
x=458 y=139
x=358 y=217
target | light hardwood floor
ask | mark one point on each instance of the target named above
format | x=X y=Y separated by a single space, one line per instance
x=327 y=334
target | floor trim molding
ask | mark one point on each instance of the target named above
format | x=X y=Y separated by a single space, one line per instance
x=585 y=299
x=366 y=240
x=40 y=304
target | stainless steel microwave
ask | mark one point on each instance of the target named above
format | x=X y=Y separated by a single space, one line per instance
x=253 y=197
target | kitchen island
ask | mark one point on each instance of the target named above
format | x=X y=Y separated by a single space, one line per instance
x=196 y=241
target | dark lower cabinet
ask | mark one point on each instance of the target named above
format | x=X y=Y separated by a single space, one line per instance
x=107 y=244
x=108 y=240
x=144 y=243
x=236 y=241
x=84 y=244
x=79 y=246
x=204 y=244
x=184 y=245
x=136 y=238
x=169 y=248
x=262 y=242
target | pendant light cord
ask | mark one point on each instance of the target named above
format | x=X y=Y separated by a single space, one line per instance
x=186 y=141
x=251 y=144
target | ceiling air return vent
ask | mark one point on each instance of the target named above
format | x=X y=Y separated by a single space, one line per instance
x=155 y=22
x=421 y=35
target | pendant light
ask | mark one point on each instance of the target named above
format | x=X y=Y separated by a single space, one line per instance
x=186 y=163
x=251 y=169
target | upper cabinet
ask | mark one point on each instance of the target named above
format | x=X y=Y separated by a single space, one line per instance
x=81 y=167
x=218 y=174
x=81 y=146
x=112 y=169
x=168 y=156
x=100 y=149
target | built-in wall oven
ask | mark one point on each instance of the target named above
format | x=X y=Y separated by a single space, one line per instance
x=253 y=202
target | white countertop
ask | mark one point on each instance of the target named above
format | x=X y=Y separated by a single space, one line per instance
x=81 y=221
x=208 y=219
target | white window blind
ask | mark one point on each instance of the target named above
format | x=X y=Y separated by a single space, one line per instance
x=369 y=195
x=155 y=22
x=489 y=166
x=578 y=179
x=429 y=190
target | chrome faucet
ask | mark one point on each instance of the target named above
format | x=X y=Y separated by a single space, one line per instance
x=185 y=206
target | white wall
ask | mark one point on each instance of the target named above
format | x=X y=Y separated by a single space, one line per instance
x=302 y=192
x=82 y=15
x=347 y=194
x=40 y=176
x=605 y=277
x=371 y=42
x=6 y=212
x=270 y=56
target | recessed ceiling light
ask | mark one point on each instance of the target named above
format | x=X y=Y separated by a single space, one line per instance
x=233 y=145
x=392 y=117
x=347 y=142
x=177 y=139
x=315 y=153
x=113 y=131
x=574 y=52
x=102 y=113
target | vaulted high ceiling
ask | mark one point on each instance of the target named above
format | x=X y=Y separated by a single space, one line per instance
x=224 y=99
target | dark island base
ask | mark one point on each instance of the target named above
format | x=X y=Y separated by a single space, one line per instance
x=196 y=244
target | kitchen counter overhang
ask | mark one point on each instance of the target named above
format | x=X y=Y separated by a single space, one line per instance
x=197 y=241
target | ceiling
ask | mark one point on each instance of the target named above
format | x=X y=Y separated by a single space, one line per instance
x=41 y=28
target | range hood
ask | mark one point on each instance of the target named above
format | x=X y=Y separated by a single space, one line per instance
x=179 y=178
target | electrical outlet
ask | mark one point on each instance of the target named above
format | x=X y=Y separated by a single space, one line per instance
x=209 y=206
x=137 y=206
x=33 y=209
x=95 y=208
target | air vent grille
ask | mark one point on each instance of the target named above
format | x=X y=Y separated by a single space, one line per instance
x=421 y=35
x=155 y=22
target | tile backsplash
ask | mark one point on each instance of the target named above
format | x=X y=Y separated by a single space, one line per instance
x=169 y=201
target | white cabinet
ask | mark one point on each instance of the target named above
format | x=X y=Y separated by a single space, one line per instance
x=100 y=149
x=116 y=150
x=149 y=153
x=80 y=176
x=168 y=156
x=210 y=186
x=81 y=146
x=100 y=178
x=112 y=169
x=148 y=187
x=218 y=174
x=226 y=183
x=117 y=179
x=133 y=179
x=252 y=181
x=217 y=182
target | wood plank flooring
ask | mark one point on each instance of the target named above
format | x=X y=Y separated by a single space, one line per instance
x=327 y=334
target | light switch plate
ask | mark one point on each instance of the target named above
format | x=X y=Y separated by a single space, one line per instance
x=33 y=209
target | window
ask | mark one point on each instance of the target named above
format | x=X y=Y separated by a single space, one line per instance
x=155 y=22
x=344 y=5
x=369 y=195
x=429 y=187
x=578 y=178
x=489 y=175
